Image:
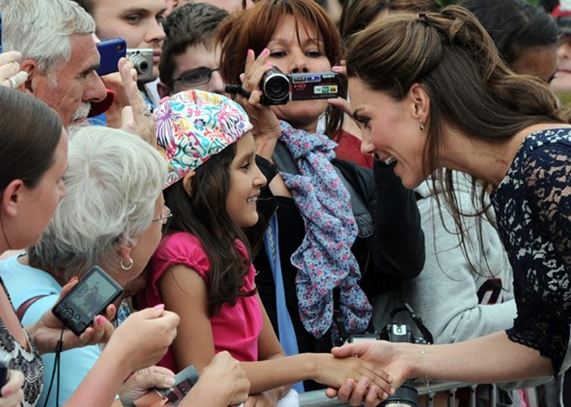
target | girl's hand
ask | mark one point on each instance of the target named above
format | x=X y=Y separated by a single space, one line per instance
x=334 y=372
x=144 y=380
x=11 y=394
x=45 y=333
x=144 y=337
x=10 y=74
x=382 y=354
x=266 y=124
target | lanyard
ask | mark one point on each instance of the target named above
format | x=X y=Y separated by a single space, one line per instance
x=286 y=331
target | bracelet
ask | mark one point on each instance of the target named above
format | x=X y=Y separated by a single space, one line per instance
x=426 y=380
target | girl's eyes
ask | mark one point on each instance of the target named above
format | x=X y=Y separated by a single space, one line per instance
x=313 y=54
x=277 y=54
x=309 y=53
x=362 y=121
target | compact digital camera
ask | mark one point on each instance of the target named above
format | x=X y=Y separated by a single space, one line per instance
x=279 y=88
x=88 y=298
x=142 y=59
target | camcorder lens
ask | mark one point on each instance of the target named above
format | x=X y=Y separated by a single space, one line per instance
x=275 y=86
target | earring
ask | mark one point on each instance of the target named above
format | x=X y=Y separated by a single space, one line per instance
x=127 y=266
x=421 y=126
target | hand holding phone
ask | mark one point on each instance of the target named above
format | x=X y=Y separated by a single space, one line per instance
x=87 y=299
x=110 y=52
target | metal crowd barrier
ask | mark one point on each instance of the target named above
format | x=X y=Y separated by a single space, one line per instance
x=317 y=398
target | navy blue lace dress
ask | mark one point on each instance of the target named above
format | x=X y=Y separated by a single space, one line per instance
x=533 y=207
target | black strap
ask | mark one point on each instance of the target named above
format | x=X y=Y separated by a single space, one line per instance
x=426 y=334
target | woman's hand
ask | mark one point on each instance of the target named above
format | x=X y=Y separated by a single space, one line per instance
x=266 y=124
x=144 y=337
x=10 y=74
x=225 y=375
x=381 y=354
x=144 y=380
x=11 y=394
x=266 y=399
x=334 y=372
x=46 y=333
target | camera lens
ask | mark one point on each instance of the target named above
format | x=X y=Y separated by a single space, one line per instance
x=275 y=86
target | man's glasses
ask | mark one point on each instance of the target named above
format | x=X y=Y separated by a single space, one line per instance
x=165 y=215
x=196 y=77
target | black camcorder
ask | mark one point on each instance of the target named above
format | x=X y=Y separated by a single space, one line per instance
x=279 y=88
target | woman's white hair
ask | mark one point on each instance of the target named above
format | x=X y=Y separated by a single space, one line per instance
x=112 y=181
x=41 y=29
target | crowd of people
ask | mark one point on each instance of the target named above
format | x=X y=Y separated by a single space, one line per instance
x=255 y=240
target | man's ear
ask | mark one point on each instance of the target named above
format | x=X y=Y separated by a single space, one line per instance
x=31 y=67
x=12 y=197
x=187 y=182
x=420 y=102
x=163 y=90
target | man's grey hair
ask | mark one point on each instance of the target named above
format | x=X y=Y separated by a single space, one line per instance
x=112 y=181
x=41 y=29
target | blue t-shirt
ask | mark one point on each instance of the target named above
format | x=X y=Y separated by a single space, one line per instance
x=24 y=282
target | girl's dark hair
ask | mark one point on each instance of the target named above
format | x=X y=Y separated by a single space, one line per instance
x=253 y=29
x=514 y=25
x=471 y=89
x=30 y=134
x=358 y=14
x=203 y=214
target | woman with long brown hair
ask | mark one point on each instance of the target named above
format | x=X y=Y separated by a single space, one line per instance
x=431 y=93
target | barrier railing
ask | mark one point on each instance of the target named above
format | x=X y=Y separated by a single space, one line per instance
x=317 y=398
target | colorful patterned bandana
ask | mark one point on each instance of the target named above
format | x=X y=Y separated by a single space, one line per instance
x=194 y=125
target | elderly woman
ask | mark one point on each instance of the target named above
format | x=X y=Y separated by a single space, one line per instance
x=34 y=158
x=111 y=216
x=106 y=218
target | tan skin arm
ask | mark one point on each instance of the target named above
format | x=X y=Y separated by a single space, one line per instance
x=185 y=293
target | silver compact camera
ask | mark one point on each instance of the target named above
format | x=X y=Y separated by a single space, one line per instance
x=142 y=59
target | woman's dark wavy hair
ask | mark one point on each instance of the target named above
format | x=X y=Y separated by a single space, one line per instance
x=30 y=134
x=203 y=214
x=470 y=87
x=253 y=29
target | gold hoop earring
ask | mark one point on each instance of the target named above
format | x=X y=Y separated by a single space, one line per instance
x=127 y=267
x=421 y=126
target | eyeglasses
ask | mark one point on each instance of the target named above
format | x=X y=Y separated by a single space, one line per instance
x=196 y=77
x=165 y=215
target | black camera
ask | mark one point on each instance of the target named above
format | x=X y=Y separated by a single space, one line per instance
x=279 y=88
x=406 y=395
x=88 y=298
x=184 y=381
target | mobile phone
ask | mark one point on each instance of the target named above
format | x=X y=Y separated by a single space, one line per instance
x=88 y=298
x=184 y=381
x=110 y=51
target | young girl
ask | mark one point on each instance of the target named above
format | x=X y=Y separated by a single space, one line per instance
x=202 y=269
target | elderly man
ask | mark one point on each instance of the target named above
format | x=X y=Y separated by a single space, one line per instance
x=59 y=53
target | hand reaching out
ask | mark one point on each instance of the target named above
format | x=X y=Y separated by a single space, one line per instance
x=45 y=333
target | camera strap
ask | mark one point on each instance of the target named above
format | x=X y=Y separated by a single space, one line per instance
x=426 y=334
x=57 y=351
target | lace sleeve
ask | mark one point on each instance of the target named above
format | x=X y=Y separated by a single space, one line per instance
x=549 y=193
